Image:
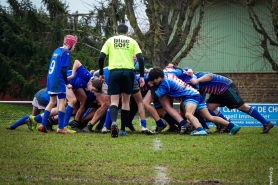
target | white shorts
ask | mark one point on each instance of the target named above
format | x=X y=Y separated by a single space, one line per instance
x=35 y=103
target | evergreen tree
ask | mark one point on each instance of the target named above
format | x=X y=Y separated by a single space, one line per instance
x=23 y=51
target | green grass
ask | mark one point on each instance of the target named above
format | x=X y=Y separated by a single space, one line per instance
x=89 y=158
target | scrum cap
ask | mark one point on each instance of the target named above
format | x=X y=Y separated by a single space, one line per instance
x=70 y=40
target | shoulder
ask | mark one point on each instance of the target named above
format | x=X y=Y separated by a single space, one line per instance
x=62 y=51
x=111 y=39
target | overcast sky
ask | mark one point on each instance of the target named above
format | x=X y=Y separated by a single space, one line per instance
x=83 y=6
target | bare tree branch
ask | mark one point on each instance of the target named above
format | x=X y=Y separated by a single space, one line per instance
x=185 y=32
x=90 y=46
x=274 y=13
x=131 y=16
x=194 y=36
x=264 y=42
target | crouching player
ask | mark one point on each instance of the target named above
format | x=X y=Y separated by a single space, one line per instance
x=169 y=85
x=40 y=101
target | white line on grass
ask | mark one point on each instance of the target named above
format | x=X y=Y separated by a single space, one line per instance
x=157 y=144
x=161 y=176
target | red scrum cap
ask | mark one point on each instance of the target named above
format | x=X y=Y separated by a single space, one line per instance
x=70 y=40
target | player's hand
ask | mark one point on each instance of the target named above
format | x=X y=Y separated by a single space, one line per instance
x=69 y=86
x=142 y=81
x=194 y=81
x=189 y=72
x=101 y=77
x=70 y=77
x=150 y=83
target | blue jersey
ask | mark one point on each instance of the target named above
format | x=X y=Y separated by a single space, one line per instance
x=146 y=87
x=136 y=64
x=174 y=87
x=90 y=95
x=106 y=74
x=55 y=81
x=42 y=97
x=81 y=78
x=186 y=78
x=175 y=71
x=218 y=84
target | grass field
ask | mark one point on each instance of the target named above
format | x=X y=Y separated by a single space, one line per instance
x=90 y=158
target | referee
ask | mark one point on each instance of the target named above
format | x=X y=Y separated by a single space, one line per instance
x=120 y=49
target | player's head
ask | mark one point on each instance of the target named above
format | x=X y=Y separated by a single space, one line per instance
x=70 y=41
x=122 y=29
x=170 y=65
x=92 y=72
x=134 y=58
x=156 y=75
x=189 y=72
x=95 y=85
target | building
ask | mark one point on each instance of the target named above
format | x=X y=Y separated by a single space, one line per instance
x=229 y=45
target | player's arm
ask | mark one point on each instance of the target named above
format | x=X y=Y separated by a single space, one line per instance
x=141 y=68
x=141 y=64
x=75 y=66
x=205 y=78
x=159 y=91
x=101 y=59
x=64 y=74
x=104 y=101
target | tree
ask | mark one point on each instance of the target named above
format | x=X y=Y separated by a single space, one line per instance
x=22 y=52
x=28 y=37
x=267 y=41
x=171 y=33
x=93 y=29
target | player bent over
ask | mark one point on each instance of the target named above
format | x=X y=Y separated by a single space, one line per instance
x=172 y=86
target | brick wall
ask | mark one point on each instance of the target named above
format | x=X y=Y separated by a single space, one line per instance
x=253 y=88
x=256 y=88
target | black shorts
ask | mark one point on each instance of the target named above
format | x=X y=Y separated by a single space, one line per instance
x=136 y=88
x=91 y=103
x=136 y=85
x=157 y=104
x=120 y=81
x=230 y=98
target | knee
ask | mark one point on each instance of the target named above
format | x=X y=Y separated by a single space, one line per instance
x=188 y=115
x=244 y=108
x=146 y=103
x=72 y=101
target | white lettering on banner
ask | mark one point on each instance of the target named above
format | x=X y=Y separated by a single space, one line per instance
x=261 y=109
x=268 y=111
x=272 y=109
x=225 y=109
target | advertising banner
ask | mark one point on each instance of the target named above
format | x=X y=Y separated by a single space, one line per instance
x=268 y=111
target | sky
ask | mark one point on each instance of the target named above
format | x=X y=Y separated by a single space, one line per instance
x=83 y=6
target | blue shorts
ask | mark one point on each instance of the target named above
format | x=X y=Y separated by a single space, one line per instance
x=197 y=100
x=60 y=96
